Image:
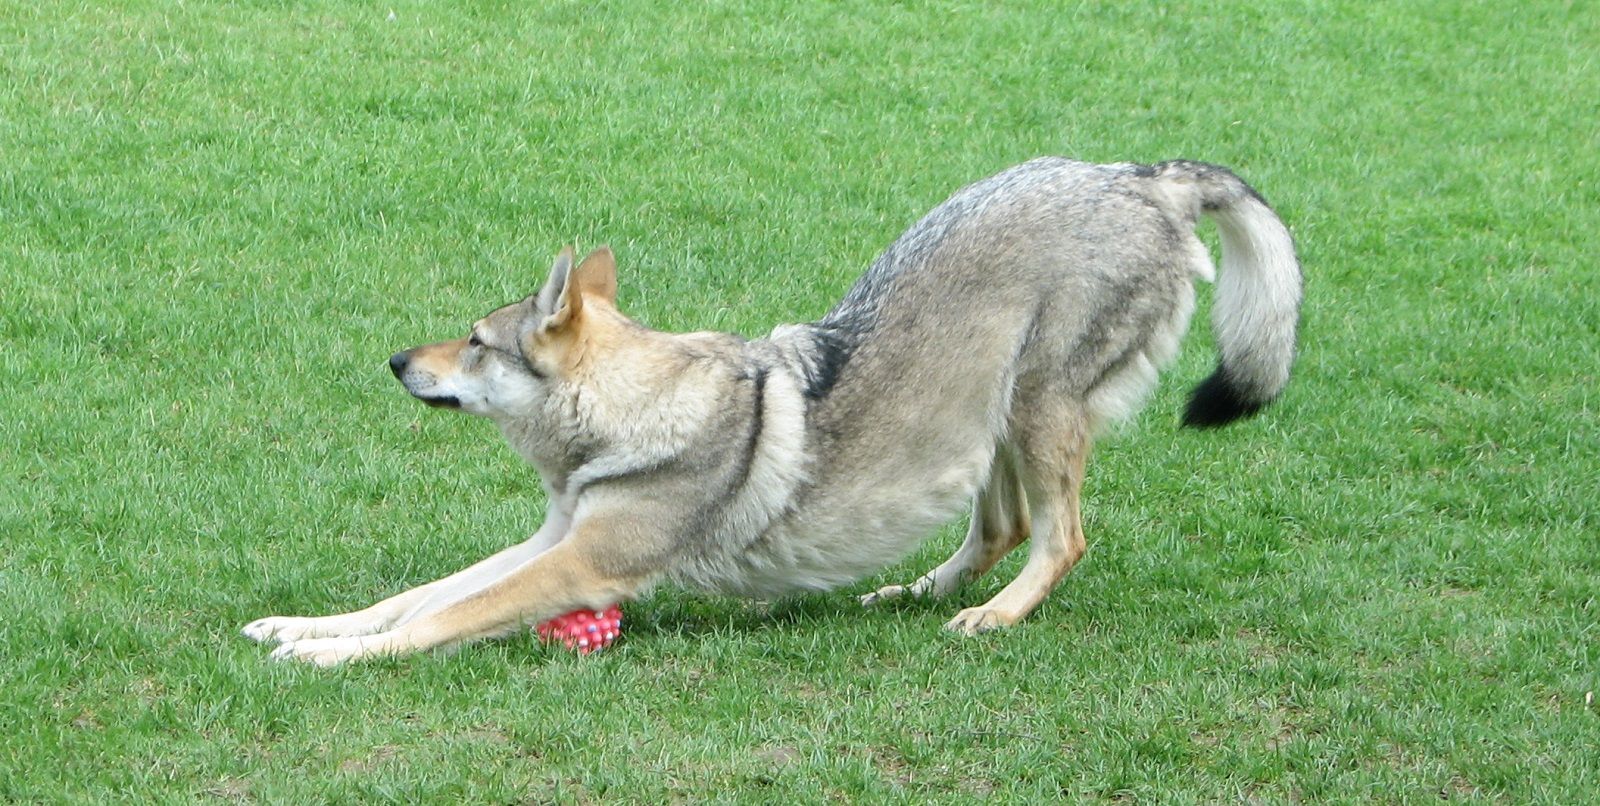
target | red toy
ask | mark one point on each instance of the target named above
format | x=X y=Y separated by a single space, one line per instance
x=583 y=630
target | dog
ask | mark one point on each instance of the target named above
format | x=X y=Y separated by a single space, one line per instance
x=973 y=364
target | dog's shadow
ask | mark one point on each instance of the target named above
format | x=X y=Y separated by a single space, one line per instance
x=684 y=615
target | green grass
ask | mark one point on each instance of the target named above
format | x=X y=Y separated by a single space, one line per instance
x=218 y=220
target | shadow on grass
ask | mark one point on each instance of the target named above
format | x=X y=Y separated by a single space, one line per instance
x=686 y=615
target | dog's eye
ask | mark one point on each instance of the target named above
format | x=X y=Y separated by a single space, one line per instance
x=474 y=341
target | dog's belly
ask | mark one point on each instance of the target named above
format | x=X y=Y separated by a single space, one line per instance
x=782 y=562
x=838 y=534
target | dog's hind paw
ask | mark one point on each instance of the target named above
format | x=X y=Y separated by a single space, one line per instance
x=925 y=585
x=976 y=620
x=883 y=594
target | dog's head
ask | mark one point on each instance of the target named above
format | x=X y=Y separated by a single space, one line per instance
x=510 y=362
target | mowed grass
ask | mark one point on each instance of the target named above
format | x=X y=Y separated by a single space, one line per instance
x=218 y=220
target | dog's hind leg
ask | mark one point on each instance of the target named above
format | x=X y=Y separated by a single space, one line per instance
x=999 y=524
x=1054 y=452
x=401 y=608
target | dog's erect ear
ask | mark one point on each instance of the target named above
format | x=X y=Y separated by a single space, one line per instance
x=594 y=278
x=550 y=294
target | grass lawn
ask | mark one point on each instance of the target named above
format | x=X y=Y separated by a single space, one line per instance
x=218 y=220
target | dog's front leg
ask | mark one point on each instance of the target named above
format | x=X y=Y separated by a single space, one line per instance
x=583 y=571
x=401 y=608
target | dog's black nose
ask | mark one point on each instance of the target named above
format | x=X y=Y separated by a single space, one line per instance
x=397 y=363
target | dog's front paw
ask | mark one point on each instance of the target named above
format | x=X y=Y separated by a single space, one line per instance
x=975 y=620
x=278 y=628
x=321 y=651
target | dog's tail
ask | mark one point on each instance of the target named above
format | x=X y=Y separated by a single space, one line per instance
x=1257 y=306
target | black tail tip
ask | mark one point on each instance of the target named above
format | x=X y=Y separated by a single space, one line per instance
x=1219 y=400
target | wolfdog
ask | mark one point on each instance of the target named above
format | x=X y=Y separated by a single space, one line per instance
x=972 y=365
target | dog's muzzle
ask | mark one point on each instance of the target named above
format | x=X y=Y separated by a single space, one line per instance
x=398 y=363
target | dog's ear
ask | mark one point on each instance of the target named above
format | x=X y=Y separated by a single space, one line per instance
x=594 y=278
x=550 y=294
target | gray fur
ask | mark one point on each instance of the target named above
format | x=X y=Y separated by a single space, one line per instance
x=1049 y=280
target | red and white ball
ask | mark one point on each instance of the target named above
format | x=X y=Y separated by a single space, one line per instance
x=583 y=631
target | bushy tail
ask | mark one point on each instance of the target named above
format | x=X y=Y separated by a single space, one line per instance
x=1257 y=305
